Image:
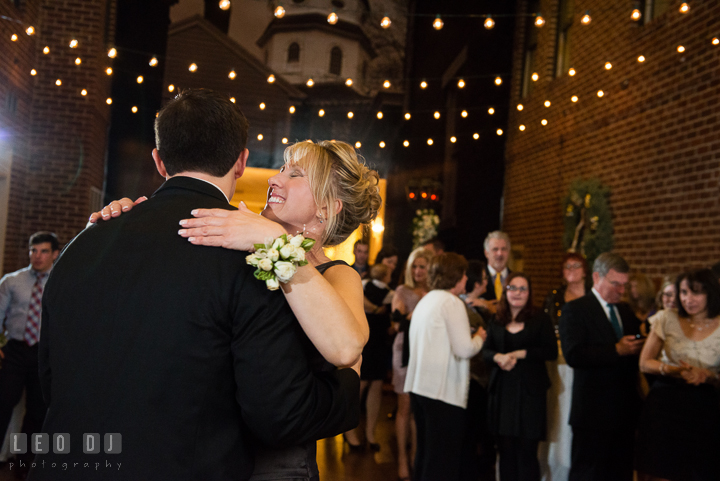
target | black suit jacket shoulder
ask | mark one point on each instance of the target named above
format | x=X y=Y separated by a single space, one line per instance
x=605 y=390
x=179 y=349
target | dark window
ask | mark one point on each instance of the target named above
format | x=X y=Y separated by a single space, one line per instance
x=563 y=48
x=654 y=8
x=335 y=61
x=293 y=52
x=529 y=58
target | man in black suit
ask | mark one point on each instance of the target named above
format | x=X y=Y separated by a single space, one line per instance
x=497 y=252
x=175 y=347
x=599 y=342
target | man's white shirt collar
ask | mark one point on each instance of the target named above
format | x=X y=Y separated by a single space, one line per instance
x=218 y=188
x=493 y=272
x=606 y=306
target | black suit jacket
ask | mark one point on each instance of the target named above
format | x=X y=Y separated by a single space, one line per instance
x=541 y=346
x=490 y=292
x=179 y=349
x=605 y=384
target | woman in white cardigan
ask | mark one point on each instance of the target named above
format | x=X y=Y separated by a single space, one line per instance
x=438 y=373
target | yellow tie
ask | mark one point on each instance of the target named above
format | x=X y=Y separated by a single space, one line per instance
x=498 y=286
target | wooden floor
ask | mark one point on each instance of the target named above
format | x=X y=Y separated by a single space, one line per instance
x=335 y=461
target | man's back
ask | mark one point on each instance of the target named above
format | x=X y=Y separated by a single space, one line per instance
x=176 y=347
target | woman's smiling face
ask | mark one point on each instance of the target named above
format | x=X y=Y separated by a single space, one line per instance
x=290 y=200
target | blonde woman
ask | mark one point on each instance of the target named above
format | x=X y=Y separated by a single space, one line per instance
x=324 y=191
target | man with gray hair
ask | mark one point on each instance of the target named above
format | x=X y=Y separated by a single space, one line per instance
x=497 y=252
x=600 y=341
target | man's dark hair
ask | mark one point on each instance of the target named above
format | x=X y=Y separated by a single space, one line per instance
x=42 y=237
x=200 y=131
x=437 y=244
x=362 y=242
x=702 y=281
x=474 y=274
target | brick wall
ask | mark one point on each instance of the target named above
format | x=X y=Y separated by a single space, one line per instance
x=59 y=135
x=653 y=138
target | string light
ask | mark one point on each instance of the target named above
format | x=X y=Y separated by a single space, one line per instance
x=586 y=19
x=498 y=81
x=641 y=58
x=539 y=21
x=680 y=49
x=358 y=145
x=224 y=4
x=134 y=109
x=608 y=65
x=520 y=107
x=684 y=8
x=232 y=99
x=73 y=43
x=716 y=41
x=491 y=110
x=543 y=122
x=571 y=72
x=279 y=11
x=33 y=72
x=461 y=84
x=386 y=84
x=385 y=22
x=14 y=37
x=429 y=141
x=193 y=67
x=407 y=115
x=30 y=31
x=423 y=84
x=574 y=98
x=140 y=79
x=284 y=140
x=600 y=93
x=489 y=23
x=108 y=101
x=78 y=61
x=438 y=23
x=271 y=78
x=464 y=114
x=260 y=136
x=382 y=144
x=46 y=50
x=547 y=103
x=153 y=62
x=476 y=136
x=436 y=115
x=350 y=115
x=453 y=139
x=171 y=87
x=58 y=82
x=232 y=75
x=535 y=77
x=636 y=15
x=379 y=115
x=522 y=128
x=499 y=131
x=262 y=105
x=83 y=92
x=292 y=109
x=349 y=82
x=332 y=18
x=310 y=82
x=321 y=113
x=406 y=143
x=112 y=53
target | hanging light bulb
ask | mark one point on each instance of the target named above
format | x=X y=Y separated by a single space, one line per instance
x=310 y=82
x=586 y=19
x=224 y=4
x=30 y=31
x=543 y=122
x=78 y=61
x=33 y=72
x=284 y=140
x=108 y=101
x=58 y=82
x=423 y=84
x=46 y=50
x=535 y=77
x=539 y=20
x=260 y=136
x=453 y=139
x=680 y=49
x=438 y=23
x=520 y=107
x=489 y=22
x=476 y=136
x=499 y=131
x=332 y=18
x=464 y=114
x=385 y=22
x=83 y=92
x=279 y=11
x=153 y=62
x=73 y=43
x=112 y=53
x=600 y=93
x=386 y=84
x=232 y=99
x=406 y=143
x=134 y=109
x=684 y=8
x=436 y=115
x=429 y=141
x=232 y=75
x=193 y=67
x=382 y=144
x=491 y=111
x=349 y=82
x=14 y=37
x=379 y=115
x=716 y=41
x=171 y=88
x=547 y=103
x=321 y=113
x=407 y=116
x=571 y=72
x=262 y=105
x=636 y=14
x=608 y=65
x=271 y=78
x=350 y=115
x=574 y=98
x=498 y=81
x=292 y=109
x=641 y=58
x=522 y=128
x=358 y=145
x=140 y=79
x=461 y=83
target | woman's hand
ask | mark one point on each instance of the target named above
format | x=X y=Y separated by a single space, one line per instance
x=696 y=375
x=115 y=208
x=505 y=361
x=232 y=229
x=483 y=303
x=481 y=332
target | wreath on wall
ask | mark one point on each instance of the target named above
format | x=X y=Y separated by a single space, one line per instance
x=425 y=225
x=588 y=221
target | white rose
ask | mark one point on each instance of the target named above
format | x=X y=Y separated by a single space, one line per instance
x=299 y=254
x=273 y=254
x=278 y=243
x=297 y=240
x=418 y=212
x=265 y=264
x=261 y=254
x=287 y=251
x=252 y=259
x=272 y=284
x=284 y=270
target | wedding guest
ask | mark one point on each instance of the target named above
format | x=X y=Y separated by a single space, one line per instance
x=434 y=245
x=575 y=275
x=388 y=255
x=438 y=374
x=519 y=342
x=406 y=298
x=497 y=252
x=679 y=435
x=666 y=295
x=361 y=251
x=641 y=296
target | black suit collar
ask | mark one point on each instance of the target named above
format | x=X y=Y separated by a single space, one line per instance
x=190 y=183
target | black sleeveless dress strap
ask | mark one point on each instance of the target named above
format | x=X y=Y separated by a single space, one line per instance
x=327 y=265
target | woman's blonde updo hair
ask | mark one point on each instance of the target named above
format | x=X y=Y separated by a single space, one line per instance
x=336 y=172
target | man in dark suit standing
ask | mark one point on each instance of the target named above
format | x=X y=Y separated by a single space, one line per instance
x=176 y=350
x=599 y=342
x=497 y=252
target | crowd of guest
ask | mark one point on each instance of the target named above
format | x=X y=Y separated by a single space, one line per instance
x=469 y=352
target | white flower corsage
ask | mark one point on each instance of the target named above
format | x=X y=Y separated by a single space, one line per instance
x=277 y=259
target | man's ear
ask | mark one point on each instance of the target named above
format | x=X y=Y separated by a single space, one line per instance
x=241 y=163
x=159 y=164
x=596 y=277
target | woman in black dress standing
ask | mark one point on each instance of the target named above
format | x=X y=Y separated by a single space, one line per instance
x=519 y=342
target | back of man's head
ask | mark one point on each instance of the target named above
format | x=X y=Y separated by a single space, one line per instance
x=609 y=260
x=200 y=131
